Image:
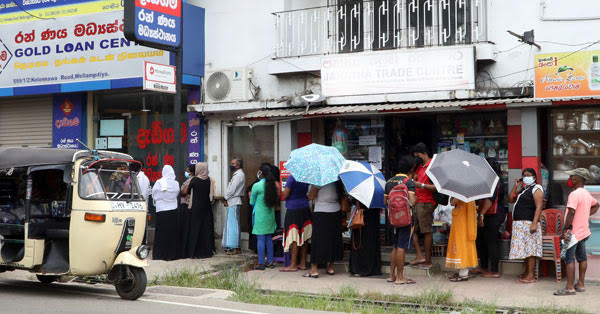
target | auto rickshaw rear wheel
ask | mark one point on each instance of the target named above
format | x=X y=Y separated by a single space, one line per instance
x=134 y=287
x=46 y=279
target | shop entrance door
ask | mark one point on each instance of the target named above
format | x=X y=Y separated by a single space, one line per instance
x=255 y=144
x=405 y=132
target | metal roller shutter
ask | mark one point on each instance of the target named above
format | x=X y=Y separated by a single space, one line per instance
x=26 y=122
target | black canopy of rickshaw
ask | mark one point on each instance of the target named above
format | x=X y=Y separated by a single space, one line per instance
x=13 y=157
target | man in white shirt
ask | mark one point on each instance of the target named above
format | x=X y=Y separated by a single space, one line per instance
x=144 y=184
x=233 y=201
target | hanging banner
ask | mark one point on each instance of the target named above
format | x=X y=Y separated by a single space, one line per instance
x=567 y=74
x=284 y=175
x=67 y=118
x=72 y=49
x=195 y=138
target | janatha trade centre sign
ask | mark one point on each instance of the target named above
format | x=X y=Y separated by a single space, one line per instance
x=154 y=23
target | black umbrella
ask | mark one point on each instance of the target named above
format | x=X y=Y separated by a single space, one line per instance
x=465 y=176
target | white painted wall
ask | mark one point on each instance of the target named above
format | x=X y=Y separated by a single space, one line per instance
x=519 y=16
x=240 y=33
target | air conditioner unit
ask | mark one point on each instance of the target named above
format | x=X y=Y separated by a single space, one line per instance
x=227 y=85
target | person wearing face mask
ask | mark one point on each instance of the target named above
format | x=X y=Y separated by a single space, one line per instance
x=233 y=201
x=423 y=211
x=201 y=235
x=580 y=206
x=264 y=197
x=526 y=241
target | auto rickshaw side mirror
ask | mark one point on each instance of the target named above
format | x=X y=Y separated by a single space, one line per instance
x=68 y=175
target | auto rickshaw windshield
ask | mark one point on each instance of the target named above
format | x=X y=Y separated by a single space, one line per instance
x=110 y=180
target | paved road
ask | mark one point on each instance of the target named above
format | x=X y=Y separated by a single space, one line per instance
x=20 y=296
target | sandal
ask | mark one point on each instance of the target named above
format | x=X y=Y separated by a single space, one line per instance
x=457 y=278
x=288 y=270
x=562 y=292
x=523 y=280
x=490 y=275
x=309 y=275
x=416 y=262
x=390 y=280
x=330 y=273
x=405 y=282
x=577 y=289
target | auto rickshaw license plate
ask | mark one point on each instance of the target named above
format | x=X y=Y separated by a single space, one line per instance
x=121 y=205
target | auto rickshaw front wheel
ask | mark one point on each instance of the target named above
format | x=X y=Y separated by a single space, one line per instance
x=46 y=279
x=134 y=287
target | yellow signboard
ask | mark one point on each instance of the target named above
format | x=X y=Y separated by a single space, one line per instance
x=567 y=74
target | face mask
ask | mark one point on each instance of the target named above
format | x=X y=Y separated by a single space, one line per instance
x=528 y=180
x=258 y=174
x=419 y=160
x=187 y=175
x=231 y=168
x=570 y=183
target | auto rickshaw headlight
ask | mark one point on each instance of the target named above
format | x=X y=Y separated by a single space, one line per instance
x=142 y=251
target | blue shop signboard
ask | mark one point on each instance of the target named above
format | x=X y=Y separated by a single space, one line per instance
x=67 y=121
x=154 y=23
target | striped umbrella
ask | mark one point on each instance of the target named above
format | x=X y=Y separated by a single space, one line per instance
x=364 y=182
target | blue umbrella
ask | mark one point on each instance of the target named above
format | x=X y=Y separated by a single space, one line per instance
x=364 y=182
x=315 y=164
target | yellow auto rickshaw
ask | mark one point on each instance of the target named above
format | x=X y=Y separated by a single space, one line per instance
x=68 y=214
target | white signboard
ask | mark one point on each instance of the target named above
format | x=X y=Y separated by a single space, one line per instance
x=398 y=71
x=71 y=49
x=367 y=140
x=159 y=77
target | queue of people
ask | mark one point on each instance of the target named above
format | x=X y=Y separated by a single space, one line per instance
x=473 y=245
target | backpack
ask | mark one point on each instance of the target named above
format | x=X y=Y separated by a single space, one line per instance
x=399 y=208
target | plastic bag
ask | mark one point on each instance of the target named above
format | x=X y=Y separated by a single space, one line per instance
x=443 y=213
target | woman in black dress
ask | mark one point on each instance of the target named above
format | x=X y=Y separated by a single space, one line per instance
x=185 y=213
x=201 y=235
x=365 y=254
x=164 y=193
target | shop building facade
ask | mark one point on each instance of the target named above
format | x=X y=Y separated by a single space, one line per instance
x=485 y=104
x=75 y=80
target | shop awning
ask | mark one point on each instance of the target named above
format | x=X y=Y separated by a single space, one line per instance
x=498 y=103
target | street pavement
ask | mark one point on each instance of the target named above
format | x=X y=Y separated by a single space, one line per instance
x=21 y=293
x=505 y=291
x=30 y=297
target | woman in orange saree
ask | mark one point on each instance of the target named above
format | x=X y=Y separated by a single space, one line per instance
x=462 y=251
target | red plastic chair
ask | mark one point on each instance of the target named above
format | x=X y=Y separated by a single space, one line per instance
x=552 y=222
